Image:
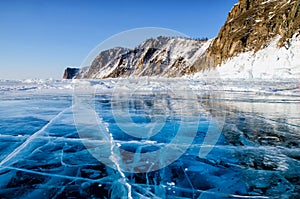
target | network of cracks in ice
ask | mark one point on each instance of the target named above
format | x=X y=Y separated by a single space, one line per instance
x=256 y=155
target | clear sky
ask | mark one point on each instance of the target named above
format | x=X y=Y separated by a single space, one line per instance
x=39 y=38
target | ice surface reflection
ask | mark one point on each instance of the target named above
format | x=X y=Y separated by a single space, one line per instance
x=256 y=156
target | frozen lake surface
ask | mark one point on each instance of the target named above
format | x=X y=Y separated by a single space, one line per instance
x=206 y=139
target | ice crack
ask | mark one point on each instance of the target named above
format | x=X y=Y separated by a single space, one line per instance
x=29 y=139
x=114 y=159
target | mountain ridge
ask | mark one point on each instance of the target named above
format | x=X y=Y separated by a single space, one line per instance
x=251 y=29
x=161 y=56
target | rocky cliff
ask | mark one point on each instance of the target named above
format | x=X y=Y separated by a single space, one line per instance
x=252 y=25
x=70 y=73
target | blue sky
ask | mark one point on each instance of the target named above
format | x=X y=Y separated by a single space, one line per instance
x=39 y=38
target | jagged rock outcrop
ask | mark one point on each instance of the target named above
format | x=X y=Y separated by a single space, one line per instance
x=162 y=56
x=70 y=73
x=252 y=24
x=102 y=65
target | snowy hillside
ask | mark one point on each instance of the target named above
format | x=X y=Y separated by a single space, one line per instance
x=269 y=62
x=162 y=56
x=176 y=57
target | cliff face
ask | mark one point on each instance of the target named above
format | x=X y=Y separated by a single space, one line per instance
x=162 y=56
x=252 y=24
x=70 y=73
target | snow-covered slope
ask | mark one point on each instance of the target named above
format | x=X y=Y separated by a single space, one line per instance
x=175 y=57
x=162 y=56
x=269 y=62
